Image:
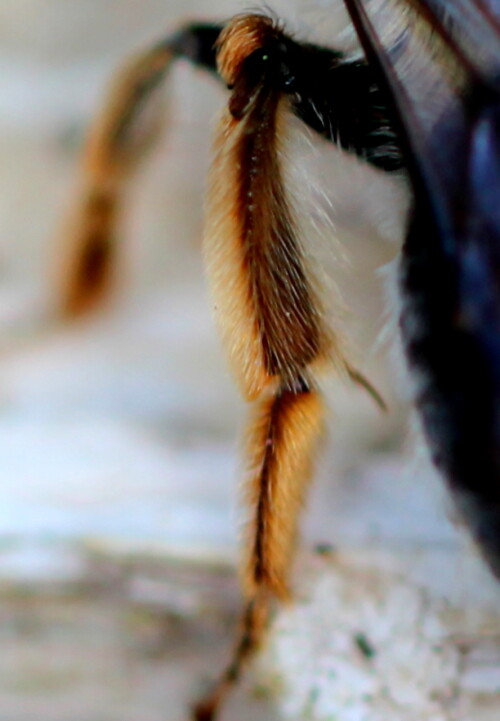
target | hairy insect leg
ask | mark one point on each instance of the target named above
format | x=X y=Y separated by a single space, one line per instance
x=281 y=444
x=270 y=313
x=119 y=139
x=130 y=121
x=252 y=630
x=282 y=439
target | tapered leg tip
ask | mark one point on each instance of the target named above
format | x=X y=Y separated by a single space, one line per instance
x=204 y=711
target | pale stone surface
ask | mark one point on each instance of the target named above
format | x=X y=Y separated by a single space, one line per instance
x=364 y=642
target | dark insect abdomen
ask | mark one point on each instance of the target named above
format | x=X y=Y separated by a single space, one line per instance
x=451 y=329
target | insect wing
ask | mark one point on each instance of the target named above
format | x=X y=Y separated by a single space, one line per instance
x=472 y=27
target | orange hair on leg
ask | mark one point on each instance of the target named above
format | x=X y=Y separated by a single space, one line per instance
x=118 y=139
